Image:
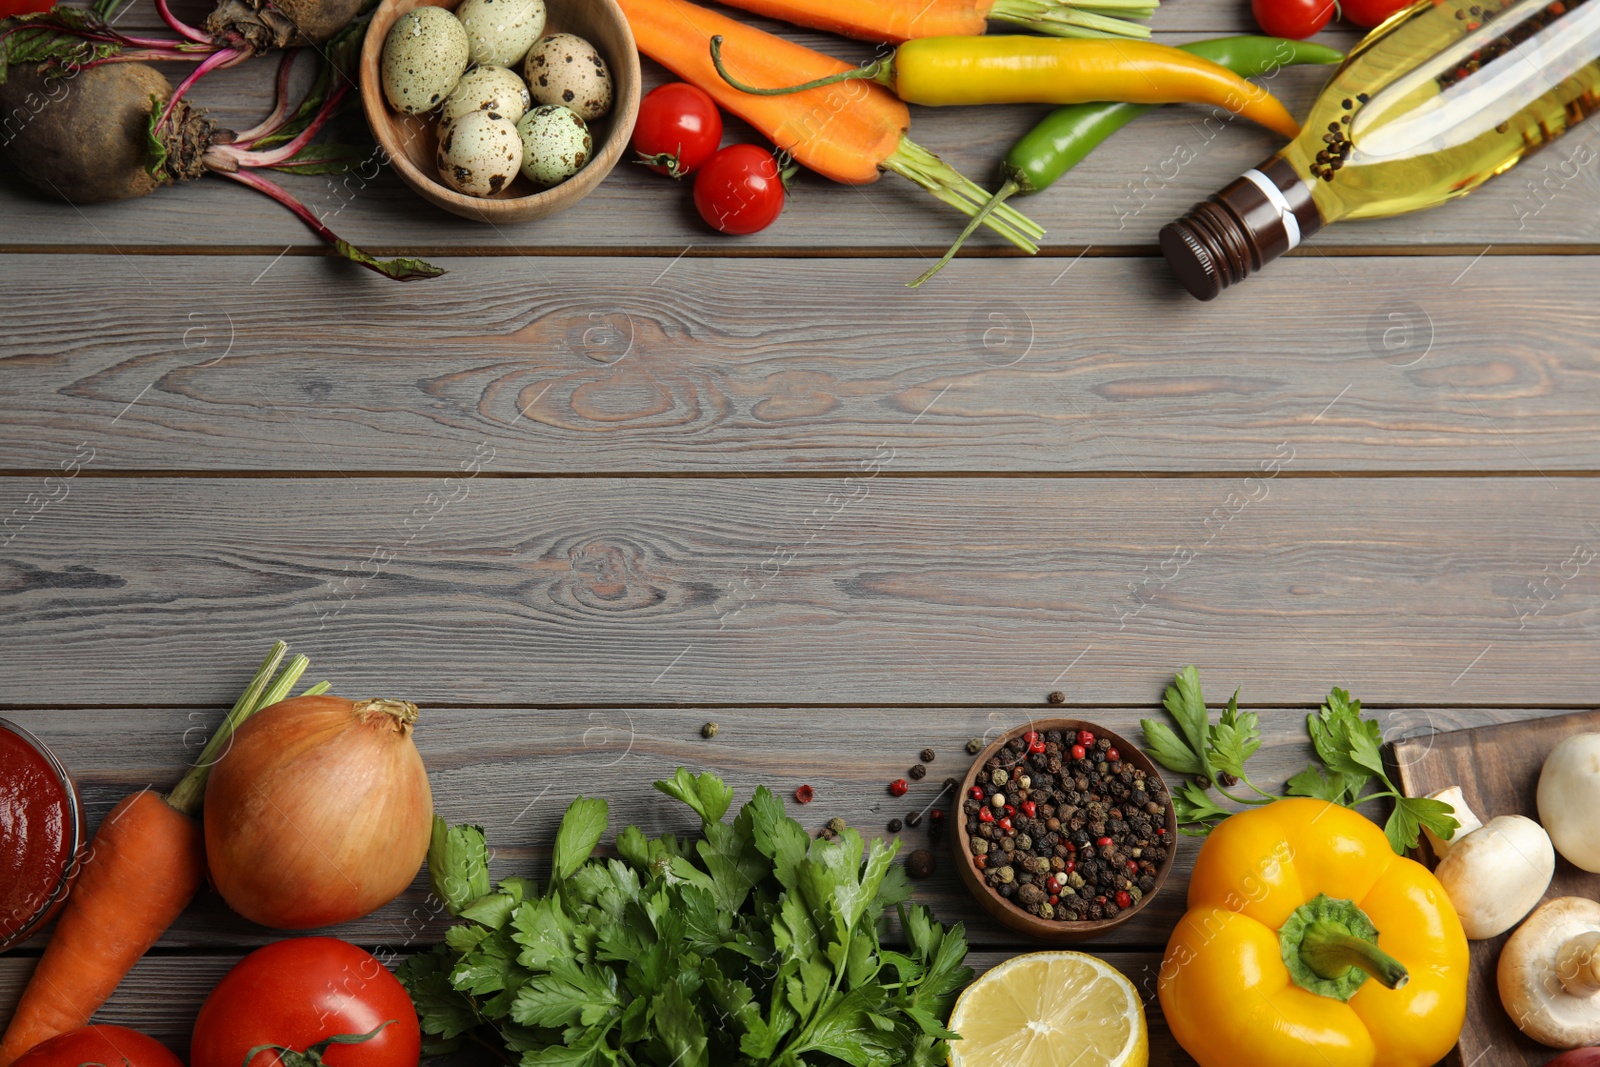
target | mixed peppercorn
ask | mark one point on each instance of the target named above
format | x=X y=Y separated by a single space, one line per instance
x=1063 y=828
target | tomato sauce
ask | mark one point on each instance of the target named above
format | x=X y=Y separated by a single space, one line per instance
x=36 y=833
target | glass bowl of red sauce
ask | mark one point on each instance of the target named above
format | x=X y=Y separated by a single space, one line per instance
x=41 y=834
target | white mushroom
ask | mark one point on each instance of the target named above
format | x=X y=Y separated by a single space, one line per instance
x=1494 y=873
x=1550 y=974
x=1569 y=796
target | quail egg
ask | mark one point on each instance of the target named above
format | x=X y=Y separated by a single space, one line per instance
x=496 y=91
x=555 y=144
x=567 y=70
x=423 y=58
x=501 y=31
x=479 y=155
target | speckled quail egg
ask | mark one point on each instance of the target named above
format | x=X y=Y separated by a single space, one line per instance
x=479 y=155
x=567 y=70
x=501 y=31
x=496 y=91
x=555 y=144
x=423 y=58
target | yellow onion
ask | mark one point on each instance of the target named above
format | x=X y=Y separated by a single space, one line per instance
x=320 y=811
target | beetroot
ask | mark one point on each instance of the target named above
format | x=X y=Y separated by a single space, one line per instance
x=113 y=132
x=261 y=25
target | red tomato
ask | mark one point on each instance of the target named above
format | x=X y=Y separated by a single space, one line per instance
x=1368 y=13
x=112 y=1046
x=740 y=189
x=24 y=7
x=1298 y=19
x=678 y=129
x=299 y=992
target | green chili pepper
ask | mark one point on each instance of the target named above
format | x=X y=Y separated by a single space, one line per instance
x=1065 y=136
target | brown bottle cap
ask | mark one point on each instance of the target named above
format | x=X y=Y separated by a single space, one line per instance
x=1237 y=231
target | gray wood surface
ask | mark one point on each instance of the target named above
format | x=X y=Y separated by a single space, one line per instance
x=849 y=589
x=736 y=365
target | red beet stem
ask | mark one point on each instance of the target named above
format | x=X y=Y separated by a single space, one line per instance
x=284 y=151
x=181 y=28
x=280 y=105
x=223 y=58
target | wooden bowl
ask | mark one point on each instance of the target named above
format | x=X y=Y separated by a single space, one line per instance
x=1014 y=916
x=410 y=141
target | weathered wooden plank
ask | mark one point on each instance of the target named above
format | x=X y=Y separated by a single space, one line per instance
x=844 y=590
x=1115 y=200
x=641 y=365
x=164 y=993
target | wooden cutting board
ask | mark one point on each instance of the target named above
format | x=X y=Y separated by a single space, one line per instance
x=1497 y=768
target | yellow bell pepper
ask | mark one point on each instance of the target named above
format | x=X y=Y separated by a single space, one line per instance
x=1309 y=943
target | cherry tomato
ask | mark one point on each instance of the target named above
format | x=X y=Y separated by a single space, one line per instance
x=1368 y=13
x=678 y=129
x=112 y=1046
x=302 y=991
x=1298 y=19
x=740 y=189
x=9 y=8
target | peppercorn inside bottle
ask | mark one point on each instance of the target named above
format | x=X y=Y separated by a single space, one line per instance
x=1063 y=828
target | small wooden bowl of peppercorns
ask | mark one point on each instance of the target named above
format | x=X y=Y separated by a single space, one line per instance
x=1064 y=830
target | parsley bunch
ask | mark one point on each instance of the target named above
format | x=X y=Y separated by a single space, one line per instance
x=753 y=945
x=1212 y=756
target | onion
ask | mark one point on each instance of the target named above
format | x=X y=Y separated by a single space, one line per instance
x=320 y=811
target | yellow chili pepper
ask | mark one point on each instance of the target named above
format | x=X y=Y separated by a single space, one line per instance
x=1309 y=943
x=940 y=71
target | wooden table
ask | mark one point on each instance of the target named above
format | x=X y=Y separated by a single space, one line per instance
x=614 y=476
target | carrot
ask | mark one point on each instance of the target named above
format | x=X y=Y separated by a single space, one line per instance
x=145 y=864
x=849 y=133
x=897 y=21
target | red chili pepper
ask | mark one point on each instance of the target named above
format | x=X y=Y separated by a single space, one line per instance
x=803 y=794
x=986 y=815
x=1085 y=738
x=898 y=787
x=1078 y=751
x=1030 y=809
x=1005 y=824
x=1123 y=899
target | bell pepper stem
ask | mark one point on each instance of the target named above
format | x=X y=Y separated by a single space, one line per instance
x=879 y=70
x=1331 y=950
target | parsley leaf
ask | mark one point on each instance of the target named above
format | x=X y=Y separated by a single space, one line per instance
x=458 y=864
x=580 y=832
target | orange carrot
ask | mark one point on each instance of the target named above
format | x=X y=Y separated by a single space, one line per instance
x=850 y=133
x=145 y=864
x=897 y=21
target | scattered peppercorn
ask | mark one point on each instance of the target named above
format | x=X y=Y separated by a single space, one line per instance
x=837 y=825
x=898 y=787
x=974 y=746
x=708 y=731
x=803 y=794
x=951 y=783
x=1058 y=697
x=914 y=819
x=926 y=755
x=917 y=772
x=894 y=826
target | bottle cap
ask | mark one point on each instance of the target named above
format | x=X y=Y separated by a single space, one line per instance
x=1237 y=231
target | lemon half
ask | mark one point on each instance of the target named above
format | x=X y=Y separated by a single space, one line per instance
x=1050 y=1009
